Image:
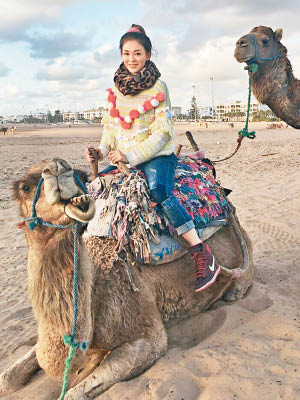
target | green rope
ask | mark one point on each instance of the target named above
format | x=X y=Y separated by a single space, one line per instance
x=68 y=340
x=68 y=362
x=244 y=132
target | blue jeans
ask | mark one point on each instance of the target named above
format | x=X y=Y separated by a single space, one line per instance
x=160 y=172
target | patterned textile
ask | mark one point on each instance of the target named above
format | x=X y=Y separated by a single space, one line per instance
x=199 y=193
x=124 y=209
x=125 y=212
x=134 y=84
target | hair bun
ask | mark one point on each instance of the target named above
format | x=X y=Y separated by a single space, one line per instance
x=137 y=29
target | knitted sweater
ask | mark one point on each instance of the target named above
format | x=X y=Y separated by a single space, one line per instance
x=150 y=135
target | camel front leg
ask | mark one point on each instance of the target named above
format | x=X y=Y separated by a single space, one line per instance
x=124 y=362
x=19 y=373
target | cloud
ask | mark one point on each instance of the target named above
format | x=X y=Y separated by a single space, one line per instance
x=3 y=70
x=56 y=45
x=61 y=70
x=193 y=22
x=106 y=56
x=18 y=16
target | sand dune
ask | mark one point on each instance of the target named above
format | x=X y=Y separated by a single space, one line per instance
x=246 y=350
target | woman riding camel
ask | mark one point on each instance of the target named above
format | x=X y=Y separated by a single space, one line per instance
x=138 y=130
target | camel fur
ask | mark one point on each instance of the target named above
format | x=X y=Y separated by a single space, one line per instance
x=128 y=327
x=274 y=83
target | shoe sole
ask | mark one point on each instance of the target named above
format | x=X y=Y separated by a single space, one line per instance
x=209 y=283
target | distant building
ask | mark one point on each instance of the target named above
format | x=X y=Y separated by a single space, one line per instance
x=11 y=118
x=176 y=111
x=94 y=113
x=235 y=107
x=207 y=111
x=72 y=116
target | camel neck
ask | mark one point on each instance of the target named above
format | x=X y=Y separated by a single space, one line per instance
x=50 y=281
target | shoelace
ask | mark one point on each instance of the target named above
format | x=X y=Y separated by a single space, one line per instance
x=200 y=264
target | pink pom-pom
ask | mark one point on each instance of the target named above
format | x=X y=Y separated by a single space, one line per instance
x=111 y=97
x=125 y=125
x=134 y=114
x=114 y=112
x=147 y=105
x=160 y=96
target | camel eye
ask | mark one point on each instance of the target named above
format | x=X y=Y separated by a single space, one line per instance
x=265 y=41
x=25 y=188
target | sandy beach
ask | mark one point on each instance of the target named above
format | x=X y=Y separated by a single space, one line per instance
x=247 y=350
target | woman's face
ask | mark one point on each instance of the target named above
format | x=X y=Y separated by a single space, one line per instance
x=134 y=56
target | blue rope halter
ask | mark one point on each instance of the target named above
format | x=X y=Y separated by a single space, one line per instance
x=255 y=58
x=68 y=340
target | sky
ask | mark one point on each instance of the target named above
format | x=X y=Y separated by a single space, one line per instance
x=62 y=54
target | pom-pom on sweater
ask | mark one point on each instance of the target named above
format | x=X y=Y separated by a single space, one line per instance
x=150 y=135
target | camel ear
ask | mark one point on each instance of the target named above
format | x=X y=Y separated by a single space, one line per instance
x=278 y=34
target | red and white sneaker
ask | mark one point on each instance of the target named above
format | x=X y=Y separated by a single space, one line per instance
x=206 y=266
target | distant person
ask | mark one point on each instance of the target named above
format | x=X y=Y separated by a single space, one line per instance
x=138 y=130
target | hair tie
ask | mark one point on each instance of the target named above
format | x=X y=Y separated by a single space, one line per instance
x=134 y=29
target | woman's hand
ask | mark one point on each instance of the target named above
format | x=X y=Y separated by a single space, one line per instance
x=91 y=154
x=117 y=155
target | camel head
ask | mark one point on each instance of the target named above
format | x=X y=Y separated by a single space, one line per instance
x=60 y=199
x=260 y=45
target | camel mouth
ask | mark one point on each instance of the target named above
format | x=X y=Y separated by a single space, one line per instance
x=81 y=208
x=240 y=57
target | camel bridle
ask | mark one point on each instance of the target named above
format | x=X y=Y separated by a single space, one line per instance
x=255 y=58
x=35 y=220
x=68 y=339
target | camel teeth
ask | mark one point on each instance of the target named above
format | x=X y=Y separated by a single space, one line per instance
x=79 y=199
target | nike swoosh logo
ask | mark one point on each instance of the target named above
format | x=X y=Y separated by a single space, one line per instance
x=212 y=267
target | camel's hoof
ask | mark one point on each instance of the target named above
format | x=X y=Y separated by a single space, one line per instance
x=6 y=386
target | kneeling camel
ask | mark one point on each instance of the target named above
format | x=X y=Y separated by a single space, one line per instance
x=128 y=326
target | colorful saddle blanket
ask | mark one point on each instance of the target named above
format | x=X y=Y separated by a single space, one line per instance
x=124 y=209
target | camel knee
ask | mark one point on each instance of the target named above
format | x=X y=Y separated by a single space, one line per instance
x=51 y=355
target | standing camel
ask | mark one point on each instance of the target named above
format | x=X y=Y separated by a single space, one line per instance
x=12 y=130
x=273 y=83
x=128 y=325
x=8 y=130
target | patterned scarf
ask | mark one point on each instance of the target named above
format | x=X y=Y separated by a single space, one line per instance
x=127 y=83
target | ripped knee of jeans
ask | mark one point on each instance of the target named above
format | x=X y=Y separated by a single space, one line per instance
x=160 y=193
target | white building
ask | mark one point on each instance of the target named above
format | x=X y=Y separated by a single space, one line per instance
x=235 y=107
x=72 y=116
x=94 y=113
x=11 y=118
x=176 y=111
x=207 y=111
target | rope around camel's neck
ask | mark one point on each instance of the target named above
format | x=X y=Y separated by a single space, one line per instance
x=50 y=280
